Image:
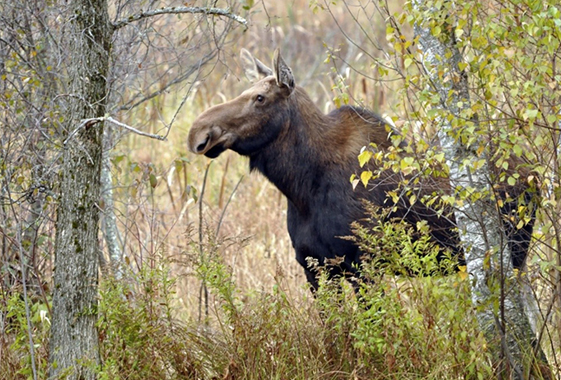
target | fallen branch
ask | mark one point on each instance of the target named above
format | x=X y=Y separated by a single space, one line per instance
x=93 y=121
x=179 y=10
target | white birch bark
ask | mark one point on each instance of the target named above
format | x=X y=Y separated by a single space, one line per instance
x=109 y=221
x=494 y=290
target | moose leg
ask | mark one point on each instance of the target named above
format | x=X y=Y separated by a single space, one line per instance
x=311 y=277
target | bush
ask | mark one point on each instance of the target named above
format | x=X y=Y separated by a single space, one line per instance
x=387 y=327
x=15 y=353
x=139 y=336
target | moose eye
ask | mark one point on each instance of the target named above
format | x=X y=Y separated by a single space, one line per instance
x=259 y=98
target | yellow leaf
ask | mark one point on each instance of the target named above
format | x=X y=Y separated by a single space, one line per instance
x=365 y=177
x=462 y=272
x=436 y=31
x=412 y=199
x=394 y=196
x=364 y=157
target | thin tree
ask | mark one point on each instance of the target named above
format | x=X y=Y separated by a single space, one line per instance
x=487 y=253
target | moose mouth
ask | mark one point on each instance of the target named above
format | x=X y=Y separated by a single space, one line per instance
x=215 y=151
x=214 y=142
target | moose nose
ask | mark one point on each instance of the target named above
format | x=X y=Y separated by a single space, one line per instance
x=203 y=145
x=200 y=147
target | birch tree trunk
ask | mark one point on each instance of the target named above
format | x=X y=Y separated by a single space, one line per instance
x=109 y=223
x=74 y=350
x=495 y=292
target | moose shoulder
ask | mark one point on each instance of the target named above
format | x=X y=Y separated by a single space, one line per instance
x=309 y=157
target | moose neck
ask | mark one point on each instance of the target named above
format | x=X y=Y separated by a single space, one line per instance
x=300 y=159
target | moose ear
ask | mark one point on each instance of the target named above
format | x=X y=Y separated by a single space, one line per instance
x=254 y=69
x=283 y=73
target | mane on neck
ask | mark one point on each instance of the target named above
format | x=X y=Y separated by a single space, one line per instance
x=314 y=146
x=341 y=134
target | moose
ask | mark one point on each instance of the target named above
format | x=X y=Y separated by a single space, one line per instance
x=309 y=156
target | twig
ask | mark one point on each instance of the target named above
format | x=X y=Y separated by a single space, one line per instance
x=203 y=290
x=24 y=286
x=27 y=308
x=179 y=10
x=128 y=106
x=226 y=206
x=93 y=121
x=186 y=95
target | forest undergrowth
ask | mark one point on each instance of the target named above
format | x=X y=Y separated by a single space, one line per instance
x=393 y=327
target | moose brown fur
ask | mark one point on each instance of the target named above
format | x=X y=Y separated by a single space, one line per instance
x=310 y=157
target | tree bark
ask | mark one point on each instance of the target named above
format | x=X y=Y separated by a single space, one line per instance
x=74 y=352
x=506 y=327
x=110 y=229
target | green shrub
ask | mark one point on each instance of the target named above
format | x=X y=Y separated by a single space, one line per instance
x=399 y=326
x=139 y=337
x=16 y=358
x=389 y=326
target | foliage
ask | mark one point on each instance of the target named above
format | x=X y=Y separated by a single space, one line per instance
x=402 y=326
x=509 y=121
x=139 y=336
x=422 y=328
x=405 y=328
x=509 y=58
x=14 y=343
x=397 y=328
x=392 y=246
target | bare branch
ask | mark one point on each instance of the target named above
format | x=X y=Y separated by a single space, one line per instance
x=128 y=106
x=91 y=122
x=128 y=127
x=179 y=10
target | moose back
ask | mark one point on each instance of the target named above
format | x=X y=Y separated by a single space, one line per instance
x=309 y=157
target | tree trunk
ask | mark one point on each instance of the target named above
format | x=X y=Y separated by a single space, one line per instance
x=74 y=350
x=109 y=222
x=506 y=327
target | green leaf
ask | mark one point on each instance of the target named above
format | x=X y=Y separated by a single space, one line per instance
x=552 y=118
x=407 y=62
x=530 y=114
x=436 y=31
x=118 y=159
x=153 y=181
